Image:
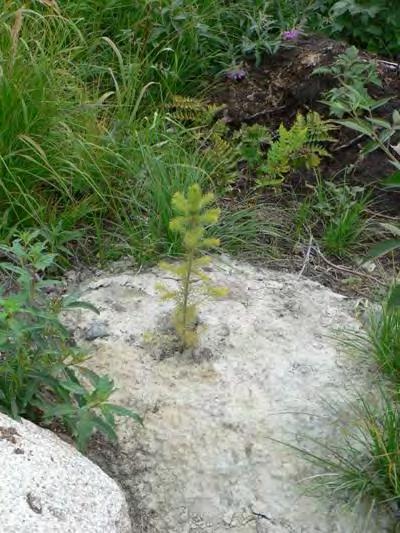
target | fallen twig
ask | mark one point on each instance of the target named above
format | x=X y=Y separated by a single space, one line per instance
x=349 y=144
x=263 y=112
x=348 y=270
x=307 y=257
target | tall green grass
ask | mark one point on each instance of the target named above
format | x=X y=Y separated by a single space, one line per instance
x=336 y=214
x=381 y=340
x=85 y=142
x=361 y=463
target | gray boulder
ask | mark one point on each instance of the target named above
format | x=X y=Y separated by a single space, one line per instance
x=46 y=486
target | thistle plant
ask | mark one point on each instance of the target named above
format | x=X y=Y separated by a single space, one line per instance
x=193 y=218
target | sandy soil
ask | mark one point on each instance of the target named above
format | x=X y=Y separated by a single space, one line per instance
x=267 y=364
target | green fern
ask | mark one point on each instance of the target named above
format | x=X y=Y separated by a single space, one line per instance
x=210 y=136
x=297 y=147
x=192 y=111
x=251 y=140
x=318 y=129
x=220 y=158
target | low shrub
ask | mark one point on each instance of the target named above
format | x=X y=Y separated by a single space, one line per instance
x=41 y=372
x=370 y=24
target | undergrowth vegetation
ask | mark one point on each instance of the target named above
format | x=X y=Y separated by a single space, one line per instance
x=98 y=131
x=84 y=141
x=41 y=372
x=336 y=216
x=372 y=24
x=108 y=132
x=362 y=465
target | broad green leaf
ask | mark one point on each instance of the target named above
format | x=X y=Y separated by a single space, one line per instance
x=380 y=103
x=394 y=230
x=84 y=429
x=394 y=297
x=393 y=181
x=71 y=386
x=385 y=135
x=380 y=122
x=105 y=427
x=76 y=304
x=13 y=268
x=123 y=411
x=396 y=118
x=383 y=248
x=44 y=262
x=89 y=375
x=14 y=409
x=361 y=126
x=104 y=388
x=369 y=147
x=59 y=410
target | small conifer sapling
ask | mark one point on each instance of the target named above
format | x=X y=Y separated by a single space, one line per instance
x=193 y=217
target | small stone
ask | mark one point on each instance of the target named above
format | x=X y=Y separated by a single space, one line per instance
x=224 y=330
x=118 y=307
x=202 y=354
x=96 y=330
x=34 y=503
x=228 y=517
x=259 y=510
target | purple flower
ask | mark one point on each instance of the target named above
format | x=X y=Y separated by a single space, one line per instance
x=236 y=74
x=291 y=35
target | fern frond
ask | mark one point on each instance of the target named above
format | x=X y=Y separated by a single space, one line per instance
x=296 y=147
x=193 y=110
x=318 y=129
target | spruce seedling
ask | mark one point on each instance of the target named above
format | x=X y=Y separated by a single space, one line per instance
x=193 y=218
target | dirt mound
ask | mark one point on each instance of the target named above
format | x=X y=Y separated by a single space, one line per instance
x=284 y=85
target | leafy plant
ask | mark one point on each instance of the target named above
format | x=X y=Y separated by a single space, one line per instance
x=296 y=148
x=371 y=24
x=293 y=14
x=193 y=216
x=41 y=376
x=381 y=133
x=353 y=75
x=252 y=141
x=262 y=36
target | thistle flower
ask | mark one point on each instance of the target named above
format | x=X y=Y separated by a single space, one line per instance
x=236 y=74
x=291 y=35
